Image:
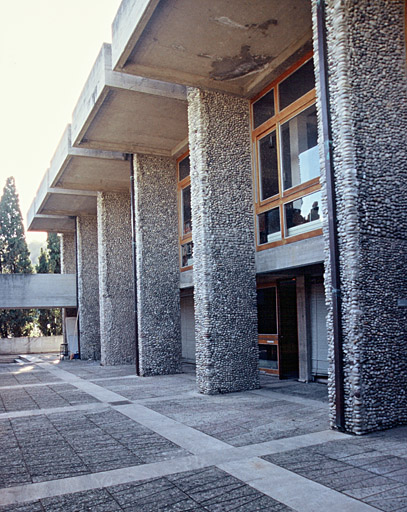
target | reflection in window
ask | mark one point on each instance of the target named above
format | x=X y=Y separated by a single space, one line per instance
x=186 y=210
x=268 y=357
x=269 y=226
x=267 y=310
x=297 y=84
x=299 y=138
x=303 y=214
x=268 y=166
x=187 y=254
x=263 y=109
x=183 y=168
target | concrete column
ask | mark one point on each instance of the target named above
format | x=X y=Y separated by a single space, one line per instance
x=224 y=246
x=368 y=94
x=116 y=290
x=304 y=351
x=68 y=266
x=159 y=314
x=88 y=287
x=68 y=253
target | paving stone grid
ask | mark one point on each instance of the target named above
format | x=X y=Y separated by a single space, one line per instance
x=75 y=436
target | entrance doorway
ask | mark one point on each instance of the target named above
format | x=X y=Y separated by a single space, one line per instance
x=277 y=328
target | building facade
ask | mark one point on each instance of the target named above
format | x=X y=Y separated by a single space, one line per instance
x=240 y=169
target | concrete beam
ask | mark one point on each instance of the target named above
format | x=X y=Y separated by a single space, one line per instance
x=121 y=112
x=302 y=253
x=87 y=169
x=50 y=223
x=26 y=291
x=54 y=201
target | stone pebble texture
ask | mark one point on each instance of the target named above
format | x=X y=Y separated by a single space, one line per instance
x=68 y=265
x=116 y=285
x=68 y=253
x=88 y=287
x=224 y=245
x=367 y=85
x=156 y=218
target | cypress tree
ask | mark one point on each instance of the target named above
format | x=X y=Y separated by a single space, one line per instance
x=14 y=258
x=54 y=253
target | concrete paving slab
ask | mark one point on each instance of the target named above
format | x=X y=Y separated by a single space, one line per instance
x=181 y=450
x=291 y=489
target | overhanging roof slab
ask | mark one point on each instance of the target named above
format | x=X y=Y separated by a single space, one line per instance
x=87 y=169
x=121 y=112
x=232 y=46
x=51 y=223
x=56 y=201
x=69 y=202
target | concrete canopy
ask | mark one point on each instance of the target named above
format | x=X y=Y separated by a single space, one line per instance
x=51 y=201
x=50 y=223
x=231 y=46
x=85 y=169
x=70 y=185
x=120 y=112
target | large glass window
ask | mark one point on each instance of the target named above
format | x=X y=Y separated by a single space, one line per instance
x=296 y=85
x=299 y=148
x=263 y=109
x=269 y=226
x=268 y=165
x=186 y=210
x=303 y=214
x=185 y=214
x=285 y=135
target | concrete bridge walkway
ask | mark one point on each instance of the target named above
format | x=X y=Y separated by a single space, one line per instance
x=75 y=436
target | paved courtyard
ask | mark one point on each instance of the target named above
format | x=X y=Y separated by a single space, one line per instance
x=75 y=436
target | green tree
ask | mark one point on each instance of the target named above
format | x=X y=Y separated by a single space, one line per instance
x=14 y=258
x=50 y=320
x=54 y=253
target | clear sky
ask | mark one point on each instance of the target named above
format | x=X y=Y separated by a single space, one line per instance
x=47 y=49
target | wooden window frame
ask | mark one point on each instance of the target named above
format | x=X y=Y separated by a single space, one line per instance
x=271 y=339
x=293 y=193
x=182 y=238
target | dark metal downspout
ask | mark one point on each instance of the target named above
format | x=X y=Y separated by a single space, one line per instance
x=78 y=319
x=130 y=158
x=331 y=199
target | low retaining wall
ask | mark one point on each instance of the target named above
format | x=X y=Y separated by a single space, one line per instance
x=40 y=345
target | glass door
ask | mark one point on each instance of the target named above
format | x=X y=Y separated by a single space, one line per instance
x=267 y=308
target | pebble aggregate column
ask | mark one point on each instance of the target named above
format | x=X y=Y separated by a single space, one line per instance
x=68 y=266
x=368 y=95
x=88 y=287
x=224 y=246
x=159 y=314
x=117 y=325
x=68 y=253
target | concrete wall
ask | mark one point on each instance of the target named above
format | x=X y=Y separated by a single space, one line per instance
x=224 y=246
x=159 y=316
x=366 y=52
x=116 y=288
x=88 y=287
x=25 y=291
x=25 y=345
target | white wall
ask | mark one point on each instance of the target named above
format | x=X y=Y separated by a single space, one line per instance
x=40 y=345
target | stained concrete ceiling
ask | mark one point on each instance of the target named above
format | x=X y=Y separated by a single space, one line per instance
x=233 y=46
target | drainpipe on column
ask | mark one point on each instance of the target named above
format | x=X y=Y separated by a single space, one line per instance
x=333 y=233
x=130 y=158
x=77 y=289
